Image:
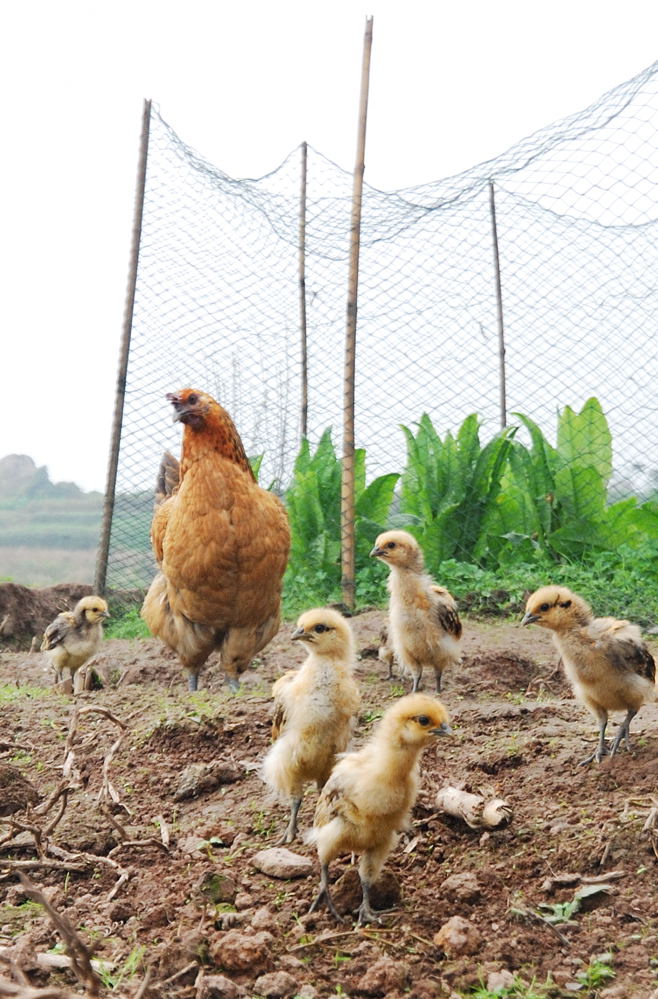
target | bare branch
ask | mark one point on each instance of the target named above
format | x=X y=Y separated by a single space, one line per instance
x=77 y=950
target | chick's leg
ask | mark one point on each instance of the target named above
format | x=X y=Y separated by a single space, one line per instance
x=623 y=732
x=324 y=896
x=601 y=749
x=291 y=831
x=370 y=867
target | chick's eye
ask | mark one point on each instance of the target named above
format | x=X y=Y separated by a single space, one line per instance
x=320 y=628
x=544 y=607
x=391 y=544
x=423 y=720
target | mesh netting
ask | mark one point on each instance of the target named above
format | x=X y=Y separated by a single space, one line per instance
x=217 y=300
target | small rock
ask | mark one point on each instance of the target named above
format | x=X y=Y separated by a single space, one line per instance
x=281 y=863
x=237 y=951
x=218 y=987
x=276 y=985
x=243 y=900
x=458 y=936
x=309 y=992
x=499 y=980
x=383 y=977
x=217 y=887
x=121 y=912
x=200 y=778
x=262 y=919
x=347 y=894
x=462 y=887
x=16 y=791
x=192 y=844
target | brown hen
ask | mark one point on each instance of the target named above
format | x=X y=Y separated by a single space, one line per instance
x=222 y=544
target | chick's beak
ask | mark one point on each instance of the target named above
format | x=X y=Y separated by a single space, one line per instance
x=105 y=614
x=299 y=635
x=376 y=552
x=442 y=729
x=529 y=618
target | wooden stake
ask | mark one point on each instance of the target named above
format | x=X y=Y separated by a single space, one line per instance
x=347 y=482
x=115 y=444
x=499 y=311
x=302 y=293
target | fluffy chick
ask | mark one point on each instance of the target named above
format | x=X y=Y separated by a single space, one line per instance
x=370 y=794
x=424 y=625
x=74 y=637
x=606 y=661
x=315 y=710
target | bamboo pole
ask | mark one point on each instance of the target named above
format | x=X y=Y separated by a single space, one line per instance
x=302 y=293
x=124 y=350
x=347 y=481
x=499 y=311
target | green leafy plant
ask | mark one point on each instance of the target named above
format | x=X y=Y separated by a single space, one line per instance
x=597 y=973
x=517 y=990
x=558 y=496
x=313 y=501
x=127 y=624
x=450 y=488
x=112 y=979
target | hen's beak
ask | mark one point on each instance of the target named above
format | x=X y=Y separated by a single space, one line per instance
x=179 y=406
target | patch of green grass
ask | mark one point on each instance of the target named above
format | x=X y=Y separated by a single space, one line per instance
x=112 y=979
x=597 y=973
x=14 y=918
x=517 y=990
x=127 y=624
x=10 y=692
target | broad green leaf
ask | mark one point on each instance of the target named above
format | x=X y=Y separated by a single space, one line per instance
x=584 y=438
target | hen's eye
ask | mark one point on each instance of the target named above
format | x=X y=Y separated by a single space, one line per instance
x=544 y=607
x=320 y=628
x=423 y=720
x=193 y=399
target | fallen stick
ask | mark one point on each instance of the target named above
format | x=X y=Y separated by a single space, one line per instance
x=476 y=811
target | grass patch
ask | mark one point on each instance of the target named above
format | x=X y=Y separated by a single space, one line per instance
x=9 y=692
x=127 y=624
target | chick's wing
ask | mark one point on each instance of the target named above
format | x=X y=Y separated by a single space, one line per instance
x=337 y=799
x=57 y=630
x=281 y=693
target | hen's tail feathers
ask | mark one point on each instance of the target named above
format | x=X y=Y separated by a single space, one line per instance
x=168 y=478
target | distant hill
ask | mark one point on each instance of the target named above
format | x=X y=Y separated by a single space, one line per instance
x=49 y=531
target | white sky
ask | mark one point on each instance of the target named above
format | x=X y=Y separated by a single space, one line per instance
x=451 y=84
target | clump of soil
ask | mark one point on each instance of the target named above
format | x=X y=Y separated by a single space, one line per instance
x=151 y=811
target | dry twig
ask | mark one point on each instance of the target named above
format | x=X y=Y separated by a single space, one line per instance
x=77 y=950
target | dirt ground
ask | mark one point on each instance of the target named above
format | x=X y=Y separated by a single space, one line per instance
x=150 y=812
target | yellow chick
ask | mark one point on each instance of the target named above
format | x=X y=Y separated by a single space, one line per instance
x=606 y=661
x=74 y=637
x=370 y=794
x=424 y=625
x=315 y=710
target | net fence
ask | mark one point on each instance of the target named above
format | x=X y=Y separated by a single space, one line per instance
x=217 y=302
